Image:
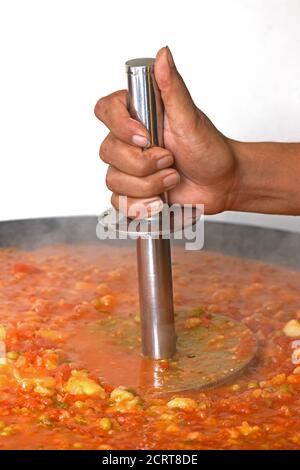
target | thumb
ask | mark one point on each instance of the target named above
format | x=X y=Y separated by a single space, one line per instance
x=179 y=107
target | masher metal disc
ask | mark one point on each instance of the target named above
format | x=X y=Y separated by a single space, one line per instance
x=112 y=221
x=211 y=349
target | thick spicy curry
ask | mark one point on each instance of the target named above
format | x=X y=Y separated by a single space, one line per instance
x=53 y=390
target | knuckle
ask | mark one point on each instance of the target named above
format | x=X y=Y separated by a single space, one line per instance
x=149 y=186
x=142 y=167
x=157 y=152
x=109 y=180
x=152 y=152
x=103 y=152
x=145 y=163
x=100 y=108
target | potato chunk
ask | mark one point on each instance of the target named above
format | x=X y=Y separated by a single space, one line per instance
x=124 y=400
x=185 y=404
x=292 y=329
x=105 y=424
x=80 y=384
x=42 y=385
x=121 y=394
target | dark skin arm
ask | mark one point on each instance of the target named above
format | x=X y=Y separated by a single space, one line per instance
x=198 y=164
x=268 y=179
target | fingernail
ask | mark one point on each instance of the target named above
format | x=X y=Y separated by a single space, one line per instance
x=145 y=208
x=164 y=162
x=170 y=57
x=155 y=206
x=140 y=141
x=171 y=180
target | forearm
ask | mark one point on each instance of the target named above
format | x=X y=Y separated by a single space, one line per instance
x=267 y=178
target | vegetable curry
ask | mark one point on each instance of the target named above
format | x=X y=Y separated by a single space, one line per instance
x=59 y=302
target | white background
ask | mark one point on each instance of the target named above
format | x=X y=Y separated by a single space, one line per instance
x=240 y=59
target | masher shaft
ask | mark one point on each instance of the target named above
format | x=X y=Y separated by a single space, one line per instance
x=156 y=297
x=153 y=254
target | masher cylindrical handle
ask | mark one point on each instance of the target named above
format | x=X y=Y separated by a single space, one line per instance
x=145 y=103
x=145 y=100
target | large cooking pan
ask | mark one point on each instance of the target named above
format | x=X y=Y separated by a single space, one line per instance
x=267 y=418
x=275 y=246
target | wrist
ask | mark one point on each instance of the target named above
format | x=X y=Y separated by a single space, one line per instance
x=266 y=177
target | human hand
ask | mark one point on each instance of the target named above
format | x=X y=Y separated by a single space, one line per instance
x=196 y=166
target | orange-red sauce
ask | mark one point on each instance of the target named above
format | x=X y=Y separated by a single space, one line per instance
x=51 y=300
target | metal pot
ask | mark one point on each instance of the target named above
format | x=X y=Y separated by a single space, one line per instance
x=275 y=246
